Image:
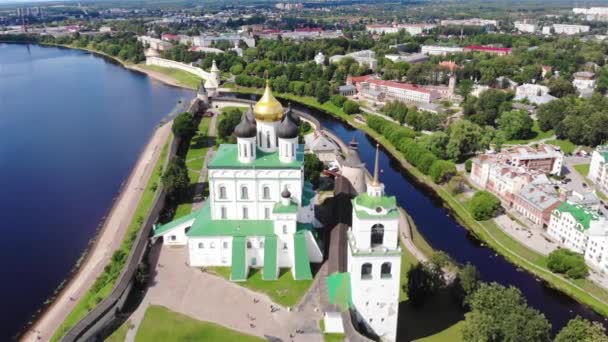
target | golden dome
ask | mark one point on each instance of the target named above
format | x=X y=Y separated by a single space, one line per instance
x=268 y=108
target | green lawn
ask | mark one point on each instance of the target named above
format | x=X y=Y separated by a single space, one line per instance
x=583 y=169
x=90 y=299
x=451 y=334
x=284 y=291
x=199 y=145
x=162 y=324
x=182 y=77
x=565 y=145
x=538 y=135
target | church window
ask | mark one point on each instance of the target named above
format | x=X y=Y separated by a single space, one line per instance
x=245 y=212
x=377 y=238
x=284 y=229
x=244 y=193
x=266 y=192
x=276 y=141
x=285 y=246
x=201 y=245
x=223 y=212
x=225 y=244
x=267 y=213
x=172 y=238
x=293 y=150
x=366 y=271
x=261 y=244
x=268 y=139
x=385 y=270
x=222 y=191
x=249 y=244
x=212 y=245
x=260 y=138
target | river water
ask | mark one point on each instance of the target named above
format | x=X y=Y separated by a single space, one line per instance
x=71 y=128
x=444 y=233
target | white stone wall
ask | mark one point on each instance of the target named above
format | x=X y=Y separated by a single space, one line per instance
x=255 y=181
x=167 y=63
x=598 y=170
x=563 y=229
x=376 y=299
x=247 y=150
x=596 y=253
x=267 y=136
x=362 y=228
x=210 y=251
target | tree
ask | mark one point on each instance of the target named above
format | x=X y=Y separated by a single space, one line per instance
x=312 y=168
x=175 y=179
x=468 y=279
x=442 y=170
x=230 y=119
x=570 y=263
x=423 y=280
x=485 y=109
x=350 y=107
x=468 y=165
x=338 y=100
x=465 y=138
x=550 y=114
x=502 y=314
x=183 y=126
x=560 y=87
x=515 y=124
x=483 y=205
x=456 y=185
x=436 y=143
x=582 y=330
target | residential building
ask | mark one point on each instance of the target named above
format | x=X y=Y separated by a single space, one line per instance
x=569 y=225
x=534 y=93
x=488 y=49
x=382 y=91
x=598 y=169
x=470 y=22
x=584 y=80
x=535 y=202
x=569 y=29
x=411 y=58
x=524 y=26
x=321 y=145
x=437 y=50
x=374 y=259
x=593 y=13
x=347 y=90
x=154 y=43
x=364 y=58
x=260 y=210
x=412 y=29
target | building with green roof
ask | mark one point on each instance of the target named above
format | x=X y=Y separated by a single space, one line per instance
x=570 y=223
x=260 y=209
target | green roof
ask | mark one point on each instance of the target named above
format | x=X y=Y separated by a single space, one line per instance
x=580 y=214
x=339 y=290
x=238 y=271
x=271 y=271
x=303 y=226
x=205 y=226
x=160 y=230
x=372 y=202
x=302 y=262
x=291 y=208
x=227 y=157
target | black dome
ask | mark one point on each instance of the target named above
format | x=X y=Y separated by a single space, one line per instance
x=245 y=128
x=286 y=193
x=288 y=128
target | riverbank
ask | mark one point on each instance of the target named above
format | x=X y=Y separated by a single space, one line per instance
x=583 y=291
x=73 y=298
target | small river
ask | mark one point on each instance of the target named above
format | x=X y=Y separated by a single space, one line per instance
x=444 y=233
x=72 y=125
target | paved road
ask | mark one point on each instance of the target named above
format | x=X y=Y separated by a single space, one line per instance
x=109 y=240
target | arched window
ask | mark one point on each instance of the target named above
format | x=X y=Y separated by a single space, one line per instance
x=222 y=191
x=245 y=213
x=284 y=229
x=268 y=139
x=260 y=138
x=244 y=193
x=385 y=270
x=201 y=245
x=377 y=235
x=249 y=244
x=366 y=271
x=266 y=192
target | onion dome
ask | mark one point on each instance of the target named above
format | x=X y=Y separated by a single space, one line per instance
x=268 y=108
x=288 y=128
x=292 y=116
x=286 y=193
x=245 y=128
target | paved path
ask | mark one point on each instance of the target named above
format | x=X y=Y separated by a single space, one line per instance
x=208 y=297
x=533 y=237
x=406 y=237
x=108 y=240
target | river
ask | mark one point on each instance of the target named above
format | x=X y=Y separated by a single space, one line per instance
x=72 y=125
x=444 y=233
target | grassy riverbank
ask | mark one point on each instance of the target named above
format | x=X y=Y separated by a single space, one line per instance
x=107 y=280
x=583 y=290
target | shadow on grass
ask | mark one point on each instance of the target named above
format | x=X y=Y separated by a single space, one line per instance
x=438 y=313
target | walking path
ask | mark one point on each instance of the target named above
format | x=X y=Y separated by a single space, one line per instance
x=109 y=239
x=406 y=237
x=200 y=185
x=207 y=297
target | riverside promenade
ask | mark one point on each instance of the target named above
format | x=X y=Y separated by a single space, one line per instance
x=108 y=240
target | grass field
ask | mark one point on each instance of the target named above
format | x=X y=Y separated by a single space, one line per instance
x=162 y=324
x=284 y=291
x=90 y=299
x=565 y=145
x=199 y=145
x=583 y=169
x=538 y=135
x=183 y=78
x=120 y=334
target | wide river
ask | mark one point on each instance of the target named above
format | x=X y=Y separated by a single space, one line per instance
x=71 y=128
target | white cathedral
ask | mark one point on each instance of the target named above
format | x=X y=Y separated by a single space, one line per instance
x=260 y=210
